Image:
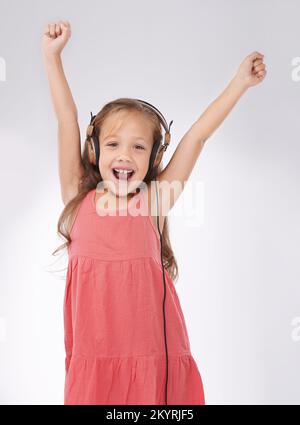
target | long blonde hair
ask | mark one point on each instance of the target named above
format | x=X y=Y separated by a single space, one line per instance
x=91 y=177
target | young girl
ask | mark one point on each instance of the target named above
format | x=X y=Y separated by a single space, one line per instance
x=125 y=335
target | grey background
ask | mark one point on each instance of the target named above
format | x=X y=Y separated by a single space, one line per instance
x=238 y=260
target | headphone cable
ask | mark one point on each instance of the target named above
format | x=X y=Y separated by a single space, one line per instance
x=164 y=313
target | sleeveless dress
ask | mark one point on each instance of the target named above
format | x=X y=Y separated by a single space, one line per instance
x=113 y=313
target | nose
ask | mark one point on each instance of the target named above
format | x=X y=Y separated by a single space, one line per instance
x=124 y=154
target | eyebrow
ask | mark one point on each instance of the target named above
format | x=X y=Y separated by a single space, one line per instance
x=113 y=135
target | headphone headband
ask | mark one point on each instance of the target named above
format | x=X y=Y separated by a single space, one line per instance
x=158 y=149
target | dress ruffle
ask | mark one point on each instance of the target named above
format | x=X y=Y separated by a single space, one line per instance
x=133 y=380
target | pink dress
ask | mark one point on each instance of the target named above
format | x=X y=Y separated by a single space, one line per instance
x=113 y=314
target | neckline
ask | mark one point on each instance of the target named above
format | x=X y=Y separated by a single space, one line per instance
x=114 y=211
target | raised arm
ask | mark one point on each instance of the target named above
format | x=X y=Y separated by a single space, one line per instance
x=70 y=165
x=251 y=72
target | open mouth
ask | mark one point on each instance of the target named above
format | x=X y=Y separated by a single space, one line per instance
x=123 y=174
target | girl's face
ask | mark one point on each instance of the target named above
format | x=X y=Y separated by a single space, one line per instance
x=125 y=144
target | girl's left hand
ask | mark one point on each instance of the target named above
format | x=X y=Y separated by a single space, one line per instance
x=252 y=70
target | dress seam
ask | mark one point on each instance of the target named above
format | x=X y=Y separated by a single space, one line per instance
x=186 y=354
x=113 y=261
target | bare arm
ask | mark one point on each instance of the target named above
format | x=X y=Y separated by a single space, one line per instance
x=69 y=147
x=188 y=150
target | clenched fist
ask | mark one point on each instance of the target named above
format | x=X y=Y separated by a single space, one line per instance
x=252 y=70
x=55 y=37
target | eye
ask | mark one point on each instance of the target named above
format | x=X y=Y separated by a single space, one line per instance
x=139 y=147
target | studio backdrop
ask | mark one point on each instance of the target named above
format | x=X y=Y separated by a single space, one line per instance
x=235 y=228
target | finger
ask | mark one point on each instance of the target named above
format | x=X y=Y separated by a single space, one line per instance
x=255 y=55
x=52 y=30
x=57 y=29
x=65 y=27
x=259 y=67
x=261 y=74
x=257 y=62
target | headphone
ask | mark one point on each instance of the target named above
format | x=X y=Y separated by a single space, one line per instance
x=157 y=152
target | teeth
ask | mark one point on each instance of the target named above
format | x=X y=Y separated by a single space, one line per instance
x=123 y=171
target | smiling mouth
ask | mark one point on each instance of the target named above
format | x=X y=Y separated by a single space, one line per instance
x=123 y=175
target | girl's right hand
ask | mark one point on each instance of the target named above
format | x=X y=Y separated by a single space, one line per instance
x=55 y=37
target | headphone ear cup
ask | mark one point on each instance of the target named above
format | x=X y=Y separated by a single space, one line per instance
x=158 y=156
x=91 y=151
x=152 y=160
x=93 y=142
x=160 y=150
x=96 y=148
